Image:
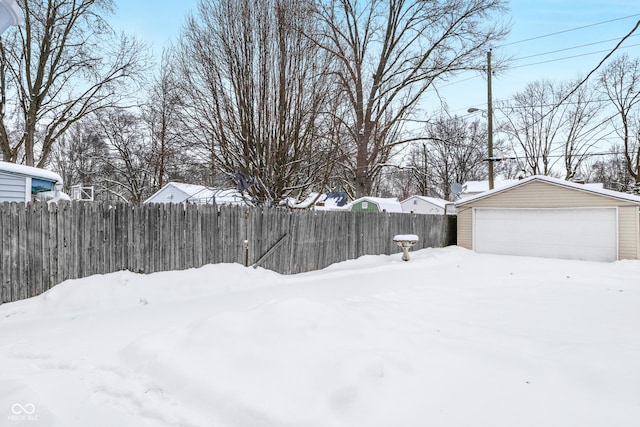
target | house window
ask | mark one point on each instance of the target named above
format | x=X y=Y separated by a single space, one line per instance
x=39 y=185
x=365 y=205
x=415 y=202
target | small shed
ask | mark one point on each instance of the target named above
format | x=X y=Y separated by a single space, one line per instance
x=548 y=217
x=427 y=205
x=376 y=204
x=178 y=192
x=20 y=183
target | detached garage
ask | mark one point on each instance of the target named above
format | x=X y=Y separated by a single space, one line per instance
x=547 y=217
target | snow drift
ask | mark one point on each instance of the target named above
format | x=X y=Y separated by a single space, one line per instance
x=451 y=338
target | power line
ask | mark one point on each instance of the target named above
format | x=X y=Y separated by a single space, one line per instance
x=570 y=48
x=547 y=61
x=458 y=82
x=618 y=46
x=569 y=30
x=635 y=27
x=568 y=57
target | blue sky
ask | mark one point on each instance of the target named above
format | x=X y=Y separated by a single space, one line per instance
x=577 y=51
x=155 y=21
x=158 y=21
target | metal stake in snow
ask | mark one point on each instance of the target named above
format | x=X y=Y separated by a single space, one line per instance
x=243 y=183
x=405 y=241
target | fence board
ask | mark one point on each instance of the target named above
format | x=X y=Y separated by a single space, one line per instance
x=5 y=259
x=44 y=245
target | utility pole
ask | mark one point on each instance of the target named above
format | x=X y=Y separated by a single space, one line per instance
x=490 y=120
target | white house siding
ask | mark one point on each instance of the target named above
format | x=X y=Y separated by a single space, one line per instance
x=13 y=188
x=423 y=205
x=530 y=195
x=168 y=194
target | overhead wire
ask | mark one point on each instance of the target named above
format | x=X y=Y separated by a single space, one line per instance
x=569 y=48
x=560 y=50
x=568 y=57
x=565 y=98
x=610 y=52
x=449 y=84
x=569 y=30
x=635 y=27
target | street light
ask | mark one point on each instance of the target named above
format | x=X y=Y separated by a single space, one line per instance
x=10 y=14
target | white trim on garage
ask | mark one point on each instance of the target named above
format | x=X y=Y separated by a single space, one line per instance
x=569 y=233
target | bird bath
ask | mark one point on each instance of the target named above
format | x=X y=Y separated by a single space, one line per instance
x=405 y=241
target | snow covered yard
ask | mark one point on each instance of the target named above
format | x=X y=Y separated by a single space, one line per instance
x=451 y=338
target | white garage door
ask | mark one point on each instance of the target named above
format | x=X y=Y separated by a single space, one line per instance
x=587 y=234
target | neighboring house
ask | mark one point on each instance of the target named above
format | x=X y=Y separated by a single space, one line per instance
x=20 y=183
x=376 y=204
x=322 y=202
x=334 y=201
x=427 y=205
x=178 y=192
x=309 y=202
x=548 y=217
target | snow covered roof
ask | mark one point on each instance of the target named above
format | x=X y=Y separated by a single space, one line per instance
x=384 y=204
x=482 y=186
x=333 y=204
x=30 y=171
x=190 y=189
x=441 y=203
x=311 y=199
x=229 y=197
x=327 y=201
x=194 y=193
x=335 y=200
x=592 y=189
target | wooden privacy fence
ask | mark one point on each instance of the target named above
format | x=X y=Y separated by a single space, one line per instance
x=43 y=245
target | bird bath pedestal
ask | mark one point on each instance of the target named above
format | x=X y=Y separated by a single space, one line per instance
x=405 y=241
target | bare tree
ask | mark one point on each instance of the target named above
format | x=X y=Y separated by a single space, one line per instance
x=620 y=82
x=79 y=155
x=63 y=64
x=420 y=162
x=396 y=182
x=255 y=89
x=390 y=52
x=128 y=171
x=161 y=115
x=549 y=129
x=532 y=120
x=454 y=151
x=609 y=169
x=582 y=129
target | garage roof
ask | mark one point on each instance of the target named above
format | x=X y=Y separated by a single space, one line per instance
x=555 y=181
